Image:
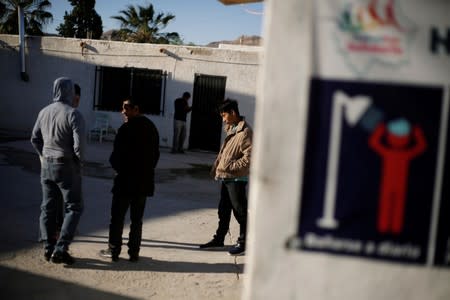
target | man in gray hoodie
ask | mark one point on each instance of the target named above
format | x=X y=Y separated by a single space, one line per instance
x=58 y=137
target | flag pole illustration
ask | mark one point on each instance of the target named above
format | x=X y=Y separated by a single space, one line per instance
x=352 y=109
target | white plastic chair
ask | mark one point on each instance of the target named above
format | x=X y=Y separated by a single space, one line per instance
x=101 y=126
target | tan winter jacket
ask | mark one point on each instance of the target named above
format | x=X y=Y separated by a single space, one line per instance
x=233 y=159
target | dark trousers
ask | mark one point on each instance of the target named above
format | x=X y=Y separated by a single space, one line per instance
x=119 y=207
x=233 y=197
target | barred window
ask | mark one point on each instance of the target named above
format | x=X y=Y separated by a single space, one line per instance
x=116 y=84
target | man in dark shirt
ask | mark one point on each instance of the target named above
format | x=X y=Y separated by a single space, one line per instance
x=179 y=122
x=134 y=158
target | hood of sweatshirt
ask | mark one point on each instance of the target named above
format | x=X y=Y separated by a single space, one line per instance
x=63 y=90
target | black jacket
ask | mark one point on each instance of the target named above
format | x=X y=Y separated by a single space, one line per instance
x=181 y=109
x=134 y=157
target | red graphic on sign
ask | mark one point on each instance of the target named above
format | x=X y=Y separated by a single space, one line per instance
x=390 y=18
x=397 y=144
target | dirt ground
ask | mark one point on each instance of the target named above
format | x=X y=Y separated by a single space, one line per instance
x=181 y=215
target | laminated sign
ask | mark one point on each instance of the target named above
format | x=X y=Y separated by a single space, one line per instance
x=377 y=166
x=373 y=175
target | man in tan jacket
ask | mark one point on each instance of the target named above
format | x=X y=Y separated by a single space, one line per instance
x=232 y=167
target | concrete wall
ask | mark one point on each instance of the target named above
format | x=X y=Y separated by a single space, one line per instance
x=50 y=57
x=301 y=41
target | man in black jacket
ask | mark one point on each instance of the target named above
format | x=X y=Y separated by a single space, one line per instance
x=182 y=108
x=134 y=158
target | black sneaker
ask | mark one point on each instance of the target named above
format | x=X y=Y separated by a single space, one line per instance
x=108 y=253
x=48 y=254
x=62 y=258
x=134 y=258
x=236 y=250
x=213 y=244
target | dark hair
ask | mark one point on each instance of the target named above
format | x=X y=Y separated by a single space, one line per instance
x=229 y=105
x=186 y=95
x=77 y=89
x=133 y=101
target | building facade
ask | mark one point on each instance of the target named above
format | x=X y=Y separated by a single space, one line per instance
x=109 y=71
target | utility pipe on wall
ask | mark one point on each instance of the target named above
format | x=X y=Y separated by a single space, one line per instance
x=23 y=73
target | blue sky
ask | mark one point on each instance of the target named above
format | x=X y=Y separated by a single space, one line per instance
x=197 y=21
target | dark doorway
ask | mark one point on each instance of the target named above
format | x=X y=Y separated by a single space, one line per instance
x=206 y=123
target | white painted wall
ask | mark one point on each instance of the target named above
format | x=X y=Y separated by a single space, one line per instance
x=299 y=43
x=50 y=57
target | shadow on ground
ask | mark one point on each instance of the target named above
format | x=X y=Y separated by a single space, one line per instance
x=147 y=264
x=20 y=285
x=30 y=162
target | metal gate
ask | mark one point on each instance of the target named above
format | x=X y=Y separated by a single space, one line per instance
x=206 y=123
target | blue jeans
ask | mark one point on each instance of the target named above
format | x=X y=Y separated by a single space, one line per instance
x=60 y=179
x=233 y=197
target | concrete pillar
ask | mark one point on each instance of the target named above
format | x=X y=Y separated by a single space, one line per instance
x=341 y=80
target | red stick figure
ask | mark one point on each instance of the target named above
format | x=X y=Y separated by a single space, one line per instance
x=399 y=149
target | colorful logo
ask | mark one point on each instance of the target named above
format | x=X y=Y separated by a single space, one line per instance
x=374 y=32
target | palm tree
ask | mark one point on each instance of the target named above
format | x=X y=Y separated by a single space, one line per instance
x=141 y=25
x=35 y=16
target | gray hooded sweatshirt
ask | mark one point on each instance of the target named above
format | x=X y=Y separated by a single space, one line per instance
x=59 y=130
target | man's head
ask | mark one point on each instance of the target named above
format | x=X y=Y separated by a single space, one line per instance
x=63 y=90
x=76 y=98
x=229 y=111
x=130 y=109
x=186 y=95
x=398 y=133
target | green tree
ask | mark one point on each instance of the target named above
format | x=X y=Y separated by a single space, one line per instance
x=35 y=16
x=82 y=22
x=142 y=25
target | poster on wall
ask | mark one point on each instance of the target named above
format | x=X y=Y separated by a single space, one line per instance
x=372 y=183
x=377 y=155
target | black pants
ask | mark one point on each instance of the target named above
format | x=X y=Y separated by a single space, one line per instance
x=233 y=197
x=119 y=208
